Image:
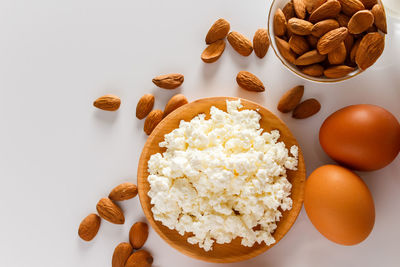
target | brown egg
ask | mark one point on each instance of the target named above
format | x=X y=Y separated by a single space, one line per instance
x=339 y=204
x=361 y=137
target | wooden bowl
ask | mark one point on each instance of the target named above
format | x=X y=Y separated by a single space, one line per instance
x=233 y=251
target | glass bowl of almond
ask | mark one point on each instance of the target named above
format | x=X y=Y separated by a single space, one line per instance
x=327 y=40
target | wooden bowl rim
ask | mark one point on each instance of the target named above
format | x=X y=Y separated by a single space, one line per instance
x=146 y=206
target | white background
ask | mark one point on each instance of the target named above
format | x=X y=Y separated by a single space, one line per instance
x=59 y=155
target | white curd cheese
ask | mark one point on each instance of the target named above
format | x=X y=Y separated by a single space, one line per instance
x=220 y=178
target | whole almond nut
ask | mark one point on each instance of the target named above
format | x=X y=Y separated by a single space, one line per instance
x=140 y=258
x=144 y=106
x=107 y=102
x=348 y=43
x=314 y=70
x=354 y=51
x=175 y=102
x=306 y=109
x=152 y=120
x=338 y=55
x=324 y=26
x=169 y=81
x=299 y=8
x=261 y=42
x=240 y=43
x=249 y=82
x=109 y=211
x=288 y=10
x=138 y=234
x=121 y=254
x=309 y=58
x=213 y=52
x=369 y=3
x=291 y=99
x=331 y=40
x=284 y=50
x=279 y=23
x=360 y=21
x=300 y=26
x=370 y=49
x=218 y=31
x=349 y=7
x=123 y=191
x=328 y=10
x=338 y=71
x=312 y=5
x=380 y=17
x=299 y=44
x=343 y=20
x=312 y=40
x=89 y=227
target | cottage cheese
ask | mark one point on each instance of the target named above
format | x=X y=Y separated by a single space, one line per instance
x=220 y=178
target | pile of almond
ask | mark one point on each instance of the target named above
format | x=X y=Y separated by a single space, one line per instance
x=330 y=38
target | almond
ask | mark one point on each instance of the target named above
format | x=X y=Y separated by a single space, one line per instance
x=123 y=191
x=312 y=5
x=380 y=17
x=279 y=23
x=348 y=43
x=338 y=55
x=306 y=109
x=299 y=8
x=322 y=27
x=89 y=227
x=291 y=99
x=370 y=49
x=338 y=71
x=107 y=102
x=331 y=40
x=121 y=254
x=240 y=43
x=138 y=234
x=360 y=21
x=261 y=42
x=312 y=40
x=369 y=3
x=309 y=58
x=249 y=82
x=326 y=11
x=140 y=258
x=144 y=106
x=373 y=28
x=288 y=10
x=152 y=120
x=349 y=7
x=169 y=81
x=284 y=50
x=213 y=52
x=175 y=102
x=218 y=31
x=314 y=70
x=299 y=44
x=109 y=211
x=300 y=26
x=353 y=51
x=343 y=20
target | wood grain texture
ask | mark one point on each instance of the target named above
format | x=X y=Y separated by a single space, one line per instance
x=234 y=251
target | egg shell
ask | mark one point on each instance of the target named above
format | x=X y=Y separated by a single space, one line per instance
x=339 y=204
x=361 y=137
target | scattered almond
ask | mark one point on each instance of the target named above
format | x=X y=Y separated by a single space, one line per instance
x=370 y=49
x=349 y=7
x=331 y=40
x=152 y=120
x=249 y=82
x=89 y=227
x=213 y=52
x=144 y=106
x=218 y=31
x=279 y=23
x=306 y=109
x=240 y=43
x=299 y=8
x=309 y=58
x=291 y=99
x=169 y=81
x=175 y=102
x=327 y=10
x=261 y=42
x=107 y=102
x=360 y=21
x=300 y=26
x=123 y=191
x=288 y=10
x=380 y=17
x=109 y=211
x=284 y=50
x=338 y=55
x=138 y=234
x=140 y=258
x=315 y=70
x=299 y=44
x=322 y=27
x=338 y=71
x=121 y=254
